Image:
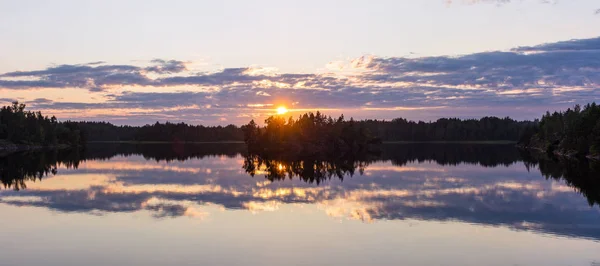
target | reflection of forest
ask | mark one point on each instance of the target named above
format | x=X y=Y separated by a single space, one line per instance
x=488 y=155
x=310 y=170
x=164 y=151
x=583 y=175
x=17 y=169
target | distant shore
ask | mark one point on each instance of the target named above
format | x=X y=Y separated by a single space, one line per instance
x=559 y=154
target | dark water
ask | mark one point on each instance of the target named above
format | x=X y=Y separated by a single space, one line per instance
x=212 y=204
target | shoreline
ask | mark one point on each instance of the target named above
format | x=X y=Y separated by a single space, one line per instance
x=559 y=154
x=8 y=148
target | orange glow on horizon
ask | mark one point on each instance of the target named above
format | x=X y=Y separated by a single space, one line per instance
x=281 y=110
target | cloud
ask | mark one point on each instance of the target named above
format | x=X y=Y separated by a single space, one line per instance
x=76 y=76
x=498 y=70
x=555 y=74
x=91 y=76
x=166 y=66
x=586 y=45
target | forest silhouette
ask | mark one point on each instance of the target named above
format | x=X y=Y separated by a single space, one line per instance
x=574 y=132
x=32 y=128
x=399 y=129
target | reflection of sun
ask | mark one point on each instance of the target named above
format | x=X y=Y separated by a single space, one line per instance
x=282 y=110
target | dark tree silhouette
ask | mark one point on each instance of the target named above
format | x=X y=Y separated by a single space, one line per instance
x=32 y=128
x=309 y=135
x=575 y=132
x=167 y=132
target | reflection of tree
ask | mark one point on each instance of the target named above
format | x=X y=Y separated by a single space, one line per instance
x=16 y=169
x=317 y=169
x=164 y=151
x=582 y=175
x=310 y=170
x=488 y=155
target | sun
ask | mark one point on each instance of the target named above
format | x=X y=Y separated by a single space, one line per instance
x=281 y=110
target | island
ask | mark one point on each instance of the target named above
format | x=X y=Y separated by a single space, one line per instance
x=312 y=134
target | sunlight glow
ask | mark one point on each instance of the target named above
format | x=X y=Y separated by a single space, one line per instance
x=281 y=110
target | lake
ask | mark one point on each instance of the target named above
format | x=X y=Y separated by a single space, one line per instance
x=213 y=204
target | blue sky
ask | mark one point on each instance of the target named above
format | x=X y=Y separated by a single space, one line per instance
x=227 y=61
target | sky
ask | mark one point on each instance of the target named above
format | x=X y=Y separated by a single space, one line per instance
x=226 y=62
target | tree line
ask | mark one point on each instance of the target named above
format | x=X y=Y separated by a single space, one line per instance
x=574 y=132
x=164 y=132
x=32 y=128
x=449 y=129
x=399 y=129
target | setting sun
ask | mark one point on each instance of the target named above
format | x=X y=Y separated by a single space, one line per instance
x=282 y=110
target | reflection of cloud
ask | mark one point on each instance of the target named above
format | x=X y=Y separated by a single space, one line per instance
x=342 y=208
x=403 y=168
x=138 y=166
x=508 y=196
x=164 y=209
x=526 y=77
x=255 y=206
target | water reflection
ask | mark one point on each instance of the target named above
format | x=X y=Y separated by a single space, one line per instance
x=582 y=175
x=309 y=170
x=16 y=170
x=487 y=155
x=484 y=184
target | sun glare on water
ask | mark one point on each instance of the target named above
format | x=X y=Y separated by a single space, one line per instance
x=282 y=110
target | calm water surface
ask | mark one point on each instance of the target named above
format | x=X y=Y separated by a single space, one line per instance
x=211 y=204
